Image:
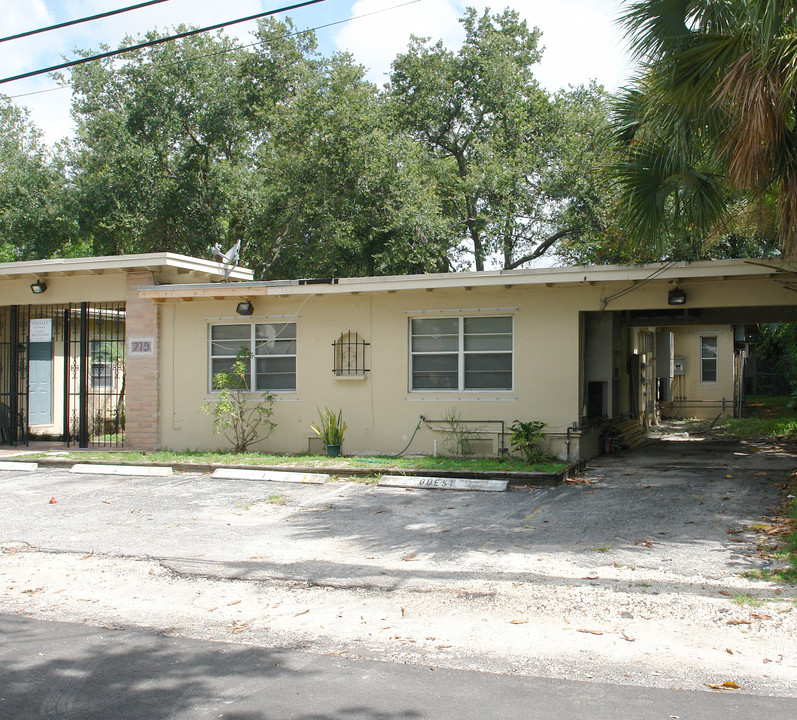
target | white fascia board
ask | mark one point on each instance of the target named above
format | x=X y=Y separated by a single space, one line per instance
x=120 y=263
x=705 y=270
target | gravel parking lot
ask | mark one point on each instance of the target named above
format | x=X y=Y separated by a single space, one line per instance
x=630 y=575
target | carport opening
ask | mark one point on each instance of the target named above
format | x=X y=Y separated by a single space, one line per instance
x=644 y=369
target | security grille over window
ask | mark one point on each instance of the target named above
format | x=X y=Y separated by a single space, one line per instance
x=348 y=353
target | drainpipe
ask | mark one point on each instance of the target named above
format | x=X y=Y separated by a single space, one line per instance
x=570 y=428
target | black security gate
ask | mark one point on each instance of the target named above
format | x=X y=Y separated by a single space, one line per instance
x=13 y=375
x=62 y=373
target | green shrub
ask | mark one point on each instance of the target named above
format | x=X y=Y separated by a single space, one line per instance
x=242 y=420
x=458 y=434
x=525 y=437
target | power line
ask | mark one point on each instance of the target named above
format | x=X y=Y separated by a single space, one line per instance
x=324 y=26
x=254 y=44
x=69 y=23
x=158 y=41
x=637 y=284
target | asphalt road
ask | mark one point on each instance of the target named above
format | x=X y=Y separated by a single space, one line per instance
x=73 y=672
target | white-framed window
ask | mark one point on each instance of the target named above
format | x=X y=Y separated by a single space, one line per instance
x=103 y=367
x=461 y=353
x=709 y=355
x=273 y=348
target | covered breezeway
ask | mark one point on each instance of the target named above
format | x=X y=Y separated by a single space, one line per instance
x=672 y=363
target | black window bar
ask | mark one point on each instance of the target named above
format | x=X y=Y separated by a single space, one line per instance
x=349 y=355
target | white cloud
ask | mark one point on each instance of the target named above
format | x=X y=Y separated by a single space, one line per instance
x=376 y=40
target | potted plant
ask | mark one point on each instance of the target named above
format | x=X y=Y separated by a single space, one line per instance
x=330 y=430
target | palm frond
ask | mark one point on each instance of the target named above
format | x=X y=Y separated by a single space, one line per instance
x=757 y=112
x=655 y=27
x=660 y=195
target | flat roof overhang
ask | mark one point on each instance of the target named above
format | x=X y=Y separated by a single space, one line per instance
x=709 y=316
x=611 y=275
x=209 y=271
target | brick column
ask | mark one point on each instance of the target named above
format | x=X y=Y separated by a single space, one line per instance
x=142 y=404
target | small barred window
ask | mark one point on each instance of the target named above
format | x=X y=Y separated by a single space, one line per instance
x=349 y=355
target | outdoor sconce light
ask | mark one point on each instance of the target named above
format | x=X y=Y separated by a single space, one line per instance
x=38 y=287
x=676 y=296
x=245 y=308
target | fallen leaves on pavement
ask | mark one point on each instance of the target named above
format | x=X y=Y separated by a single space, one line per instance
x=236 y=627
x=727 y=685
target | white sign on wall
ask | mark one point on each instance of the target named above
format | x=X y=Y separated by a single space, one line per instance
x=41 y=330
x=141 y=346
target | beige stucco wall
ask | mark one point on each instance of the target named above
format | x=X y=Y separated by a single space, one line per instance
x=380 y=410
x=64 y=289
x=691 y=397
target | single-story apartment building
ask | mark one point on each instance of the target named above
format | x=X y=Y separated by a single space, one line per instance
x=572 y=347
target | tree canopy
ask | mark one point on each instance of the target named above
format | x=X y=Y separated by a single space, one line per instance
x=36 y=214
x=506 y=151
x=461 y=160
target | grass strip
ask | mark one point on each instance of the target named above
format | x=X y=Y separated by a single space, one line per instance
x=376 y=464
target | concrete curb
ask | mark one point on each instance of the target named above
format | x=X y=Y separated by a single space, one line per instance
x=19 y=466
x=532 y=479
x=142 y=470
x=438 y=483
x=270 y=476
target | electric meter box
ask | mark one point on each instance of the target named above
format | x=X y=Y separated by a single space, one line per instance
x=679 y=366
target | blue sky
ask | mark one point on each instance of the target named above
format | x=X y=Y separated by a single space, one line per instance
x=581 y=37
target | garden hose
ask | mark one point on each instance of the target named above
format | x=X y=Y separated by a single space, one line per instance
x=420 y=420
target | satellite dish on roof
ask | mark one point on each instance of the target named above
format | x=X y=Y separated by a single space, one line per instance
x=229 y=259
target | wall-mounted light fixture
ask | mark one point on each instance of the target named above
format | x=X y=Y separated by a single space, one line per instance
x=245 y=308
x=676 y=296
x=38 y=287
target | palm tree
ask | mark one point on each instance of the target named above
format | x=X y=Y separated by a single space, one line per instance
x=708 y=126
